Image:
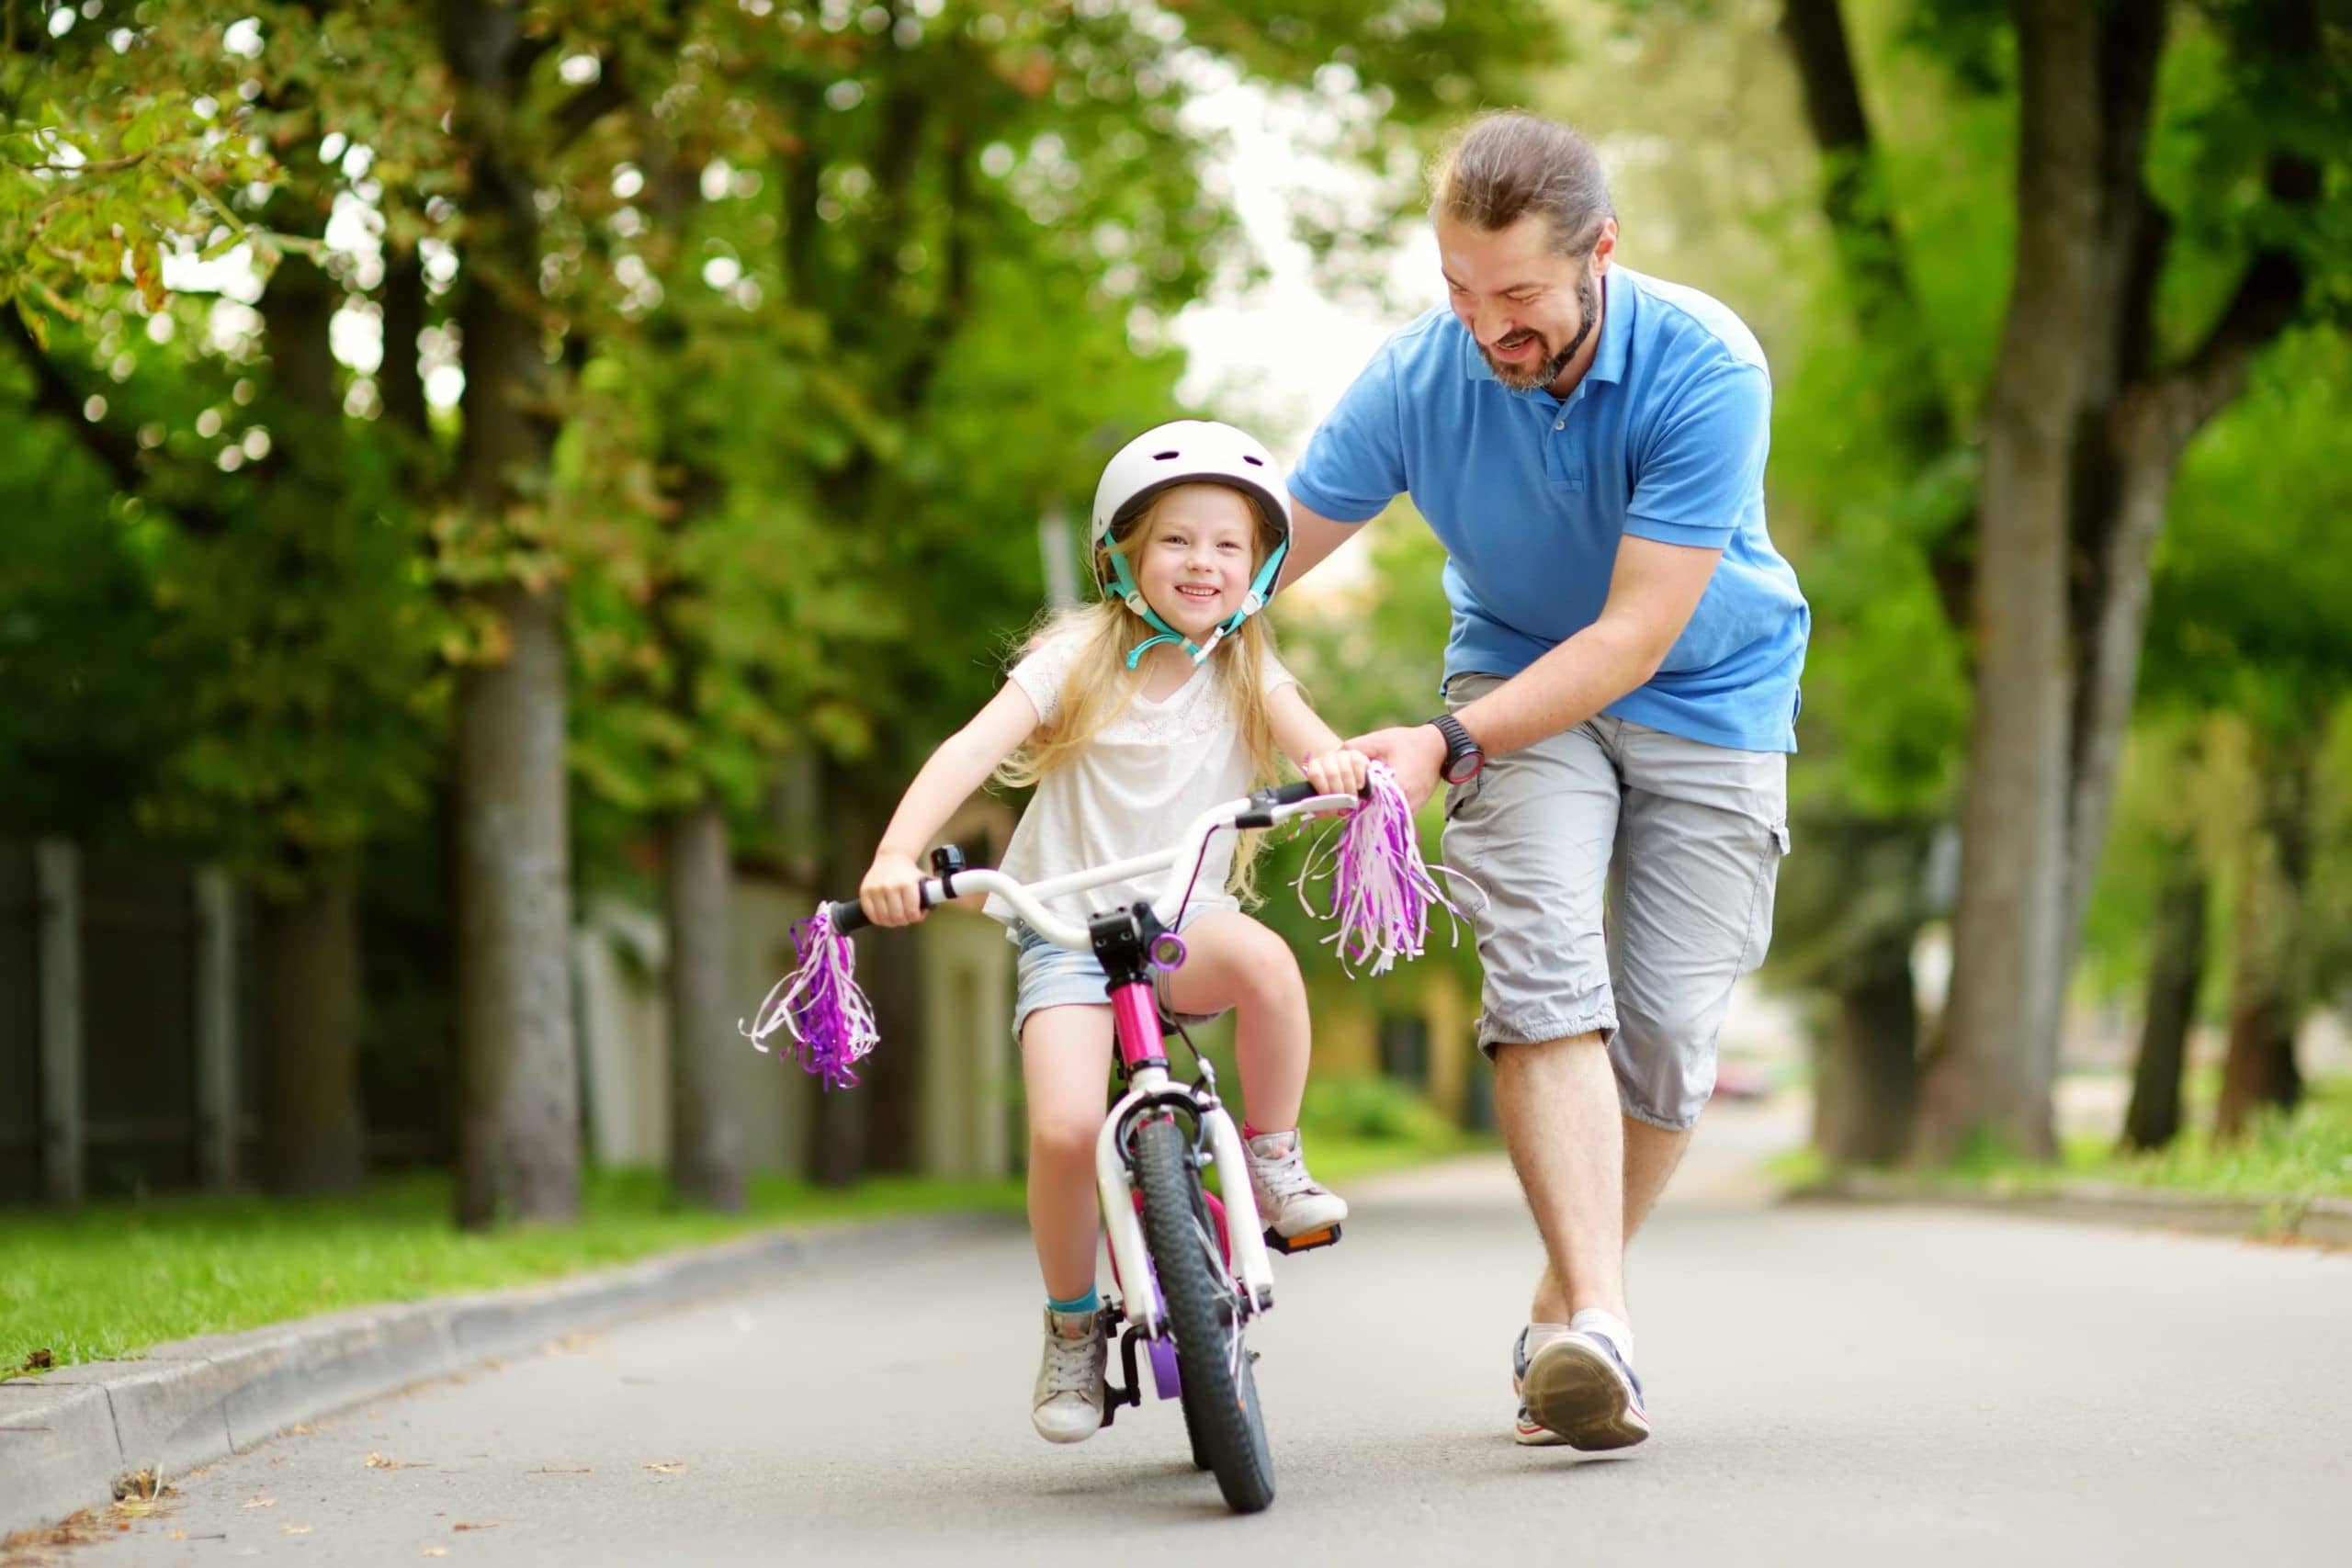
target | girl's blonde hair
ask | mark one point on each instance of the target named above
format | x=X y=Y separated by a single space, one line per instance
x=1100 y=687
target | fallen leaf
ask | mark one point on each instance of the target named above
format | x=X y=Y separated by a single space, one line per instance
x=39 y=1361
x=667 y=1466
x=377 y=1461
x=258 y=1503
x=296 y=1529
x=564 y=1469
x=179 y=1535
x=436 y=1552
x=492 y=1525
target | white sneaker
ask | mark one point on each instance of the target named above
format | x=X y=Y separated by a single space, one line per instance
x=1290 y=1201
x=1068 y=1403
x=1577 y=1387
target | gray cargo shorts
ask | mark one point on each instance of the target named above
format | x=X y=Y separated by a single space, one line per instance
x=1686 y=836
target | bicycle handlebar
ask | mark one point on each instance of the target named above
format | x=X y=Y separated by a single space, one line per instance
x=1262 y=809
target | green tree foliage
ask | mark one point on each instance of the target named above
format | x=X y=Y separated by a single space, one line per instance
x=123 y=134
x=777 y=329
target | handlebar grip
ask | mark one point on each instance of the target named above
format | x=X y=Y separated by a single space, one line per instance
x=1291 y=793
x=849 y=915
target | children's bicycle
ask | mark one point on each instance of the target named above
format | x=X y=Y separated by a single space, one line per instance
x=1192 y=1266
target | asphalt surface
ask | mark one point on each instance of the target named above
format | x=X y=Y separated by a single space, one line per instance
x=1828 y=1386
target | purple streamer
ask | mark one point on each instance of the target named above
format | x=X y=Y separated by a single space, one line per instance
x=820 y=1006
x=1382 y=892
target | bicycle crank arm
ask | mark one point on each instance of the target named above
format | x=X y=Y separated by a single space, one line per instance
x=1114 y=1396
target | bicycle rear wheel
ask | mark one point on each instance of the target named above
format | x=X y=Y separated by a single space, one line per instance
x=1221 y=1411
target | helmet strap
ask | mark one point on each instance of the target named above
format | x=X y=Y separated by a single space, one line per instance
x=1251 y=603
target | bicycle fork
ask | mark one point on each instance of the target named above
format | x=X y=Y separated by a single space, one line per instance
x=1252 y=1268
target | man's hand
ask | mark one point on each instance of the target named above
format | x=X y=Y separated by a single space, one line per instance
x=1415 y=751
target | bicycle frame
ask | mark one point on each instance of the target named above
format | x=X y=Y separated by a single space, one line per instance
x=1136 y=1014
x=1130 y=942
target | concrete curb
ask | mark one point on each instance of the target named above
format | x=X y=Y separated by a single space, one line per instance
x=67 y=1436
x=2324 y=1222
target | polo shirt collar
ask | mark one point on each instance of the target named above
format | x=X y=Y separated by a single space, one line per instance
x=1616 y=335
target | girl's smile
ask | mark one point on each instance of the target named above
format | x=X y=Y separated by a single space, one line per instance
x=1195 y=562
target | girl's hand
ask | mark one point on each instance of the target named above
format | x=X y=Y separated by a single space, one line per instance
x=892 y=891
x=1343 y=771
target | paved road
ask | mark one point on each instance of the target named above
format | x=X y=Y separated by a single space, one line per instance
x=1830 y=1386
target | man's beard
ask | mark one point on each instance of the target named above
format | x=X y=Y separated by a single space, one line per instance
x=1549 y=369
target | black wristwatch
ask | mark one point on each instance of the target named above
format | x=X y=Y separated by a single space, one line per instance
x=1463 y=757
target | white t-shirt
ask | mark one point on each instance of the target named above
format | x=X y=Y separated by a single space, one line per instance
x=1140 y=781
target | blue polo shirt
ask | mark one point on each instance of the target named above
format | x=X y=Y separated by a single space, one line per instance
x=1663 y=439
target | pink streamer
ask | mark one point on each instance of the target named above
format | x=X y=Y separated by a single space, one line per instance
x=820 y=1006
x=1381 y=890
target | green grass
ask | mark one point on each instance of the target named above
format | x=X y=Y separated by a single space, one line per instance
x=110 y=1280
x=2292 y=1158
x=113 y=1278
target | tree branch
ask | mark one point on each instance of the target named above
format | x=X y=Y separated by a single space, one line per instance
x=115 y=448
x=577 y=114
x=1816 y=30
x=2134 y=230
x=2269 y=296
x=1870 y=251
x=109 y=442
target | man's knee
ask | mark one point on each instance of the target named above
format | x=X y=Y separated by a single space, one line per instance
x=1665 y=1067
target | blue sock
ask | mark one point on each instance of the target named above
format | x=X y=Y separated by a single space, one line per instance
x=1089 y=1301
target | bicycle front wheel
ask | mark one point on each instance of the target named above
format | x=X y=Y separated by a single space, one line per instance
x=1221 y=1400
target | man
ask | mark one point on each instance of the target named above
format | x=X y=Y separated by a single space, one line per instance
x=1622 y=679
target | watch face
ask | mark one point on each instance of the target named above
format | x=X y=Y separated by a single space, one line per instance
x=1461 y=770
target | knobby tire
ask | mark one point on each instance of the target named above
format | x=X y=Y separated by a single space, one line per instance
x=1221 y=1412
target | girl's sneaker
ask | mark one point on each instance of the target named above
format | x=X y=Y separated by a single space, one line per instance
x=1068 y=1403
x=1290 y=1201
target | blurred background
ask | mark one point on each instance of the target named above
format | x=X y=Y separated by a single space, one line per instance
x=496 y=501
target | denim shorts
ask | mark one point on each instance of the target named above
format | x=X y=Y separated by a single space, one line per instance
x=1051 y=976
x=1685 y=838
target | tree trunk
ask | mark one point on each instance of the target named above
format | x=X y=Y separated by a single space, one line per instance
x=2266 y=992
x=308 y=946
x=519 y=1136
x=400 y=376
x=871 y=1127
x=2176 y=974
x=1869 y=1082
x=705 y=1138
x=2147 y=452
x=518 y=1131
x=308 y=938
x=1995 y=1066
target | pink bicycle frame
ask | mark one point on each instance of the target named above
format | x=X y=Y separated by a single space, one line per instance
x=1135 y=1013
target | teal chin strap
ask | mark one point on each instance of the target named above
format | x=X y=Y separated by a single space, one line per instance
x=1251 y=603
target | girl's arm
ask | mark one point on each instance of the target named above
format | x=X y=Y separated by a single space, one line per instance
x=891 y=891
x=1313 y=744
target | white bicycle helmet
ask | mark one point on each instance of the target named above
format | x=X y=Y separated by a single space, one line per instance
x=1187 y=451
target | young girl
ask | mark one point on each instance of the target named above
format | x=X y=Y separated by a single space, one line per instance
x=1132 y=715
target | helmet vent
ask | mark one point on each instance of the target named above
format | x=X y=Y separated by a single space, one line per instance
x=1164 y=456
x=1251 y=461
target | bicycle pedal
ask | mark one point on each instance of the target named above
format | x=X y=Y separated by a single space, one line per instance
x=1306 y=1241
